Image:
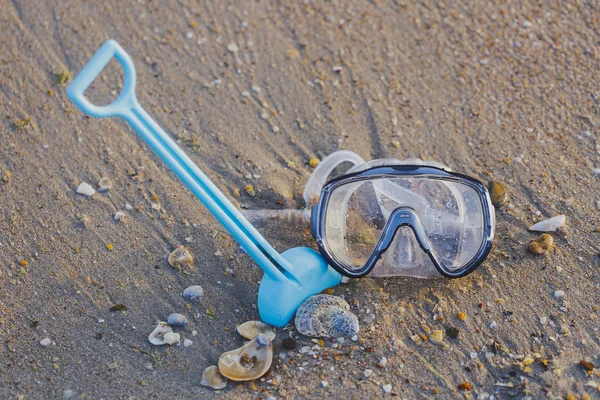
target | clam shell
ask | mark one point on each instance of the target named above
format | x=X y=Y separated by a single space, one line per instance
x=251 y=329
x=104 y=184
x=181 y=257
x=176 y=319
x=158 y=334
x=251 y=361
x=212 y=377
x=193 y=293
x=326 y=316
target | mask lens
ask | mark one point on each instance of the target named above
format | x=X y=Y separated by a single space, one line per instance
x=451 y=213
x=353 y=223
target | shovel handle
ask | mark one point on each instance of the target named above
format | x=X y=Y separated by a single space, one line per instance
x=127 y=107
x=126 y=100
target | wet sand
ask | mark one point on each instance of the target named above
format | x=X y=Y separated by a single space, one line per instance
x=507 y=92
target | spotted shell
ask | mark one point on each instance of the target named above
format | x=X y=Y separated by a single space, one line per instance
x=326 y=316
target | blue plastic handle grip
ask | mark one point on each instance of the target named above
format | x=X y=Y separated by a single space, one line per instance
x=127 y=107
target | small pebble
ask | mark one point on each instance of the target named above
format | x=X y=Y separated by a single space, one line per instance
x=464 y=386
x=493 y=324
x=45 y=342
x=171 y=338
x=193 y=293
x=176 y=319
x=187 y=343
x=250 y=190
x=85 y=189
x=452 y=332
x=118 y=307
x=436 y=336
x=559 y=294
x=587 y=365
x=387 y=388
x=383 y=361
x=290 y=343
x=541 y=245
x=368 y=373
x=233 y=47
x=324 y=383
x=497 y=193
x=462 y=316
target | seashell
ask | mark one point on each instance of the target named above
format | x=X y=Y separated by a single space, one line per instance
x=104 y=184
x=212 y=377
x=251 y=329
x=176 y=319
x=171 y=338
x=251 y=361
x=120 y=216
x=541 y=245
x=158 y=334
x=193 y=293
x=549 y=225
x=85 y=189
x=327 y=316
x=181 y=257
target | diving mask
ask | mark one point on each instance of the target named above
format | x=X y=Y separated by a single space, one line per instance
x=398 y=218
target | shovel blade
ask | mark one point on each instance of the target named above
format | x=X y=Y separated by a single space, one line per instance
x=279 y=298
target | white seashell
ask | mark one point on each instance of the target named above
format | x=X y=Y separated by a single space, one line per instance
x=171 y=338
x=251 y=361
x=193 y=293
x=157 y=337
x=187 y=343
x=176 y=319
x=45 y=342
x=549 y=225
x=120 y=216
x=85 y=189
x=327 y=316
x=212 y=377
x=251 y=329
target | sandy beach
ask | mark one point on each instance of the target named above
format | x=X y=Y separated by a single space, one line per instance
x=252 y=91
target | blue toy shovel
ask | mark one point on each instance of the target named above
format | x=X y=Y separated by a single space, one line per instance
x=290 y=277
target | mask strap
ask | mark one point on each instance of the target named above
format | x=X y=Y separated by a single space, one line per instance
x=319 y=177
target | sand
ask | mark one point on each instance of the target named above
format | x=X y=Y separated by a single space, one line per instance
x=506 y=92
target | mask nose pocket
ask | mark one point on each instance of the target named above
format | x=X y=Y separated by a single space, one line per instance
x=404 y=257
x=405 y=249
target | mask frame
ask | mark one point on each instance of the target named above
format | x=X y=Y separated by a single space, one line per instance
x=402 y=216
